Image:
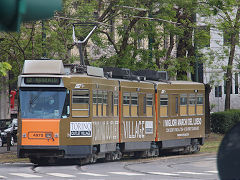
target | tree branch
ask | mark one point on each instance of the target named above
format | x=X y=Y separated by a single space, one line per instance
x=128 y=30
x=109 y=8
x=111 y=41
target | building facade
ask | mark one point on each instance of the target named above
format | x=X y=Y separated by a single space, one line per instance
x=214 y=69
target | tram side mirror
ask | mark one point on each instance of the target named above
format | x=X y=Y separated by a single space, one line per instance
x=228 y=157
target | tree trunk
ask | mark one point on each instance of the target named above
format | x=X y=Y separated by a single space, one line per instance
x=184 y=48
x=230 y=61
x=4 y=98
x=229 y=73
x=127 y=34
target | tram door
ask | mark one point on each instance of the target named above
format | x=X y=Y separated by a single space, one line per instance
x=174 y=106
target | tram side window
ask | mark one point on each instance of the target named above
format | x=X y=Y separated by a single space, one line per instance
x=149 y=108
x=130 y=104
x=126 y=104
x=183 y=105
x=192 y=104
x=144 y=105
x=115 y=108
x=134 y=104
x=111 y=105
x=95 y=113
x=200 y=105
x=99 y=102
x=80 y=103
x=105 y=103
x=163 y=105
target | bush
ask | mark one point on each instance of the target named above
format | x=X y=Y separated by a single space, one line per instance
x=221 y=122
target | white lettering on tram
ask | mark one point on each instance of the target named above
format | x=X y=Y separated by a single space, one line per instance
x=182 y=125
x=137 y=129
x=105 y=130
x=80 y=129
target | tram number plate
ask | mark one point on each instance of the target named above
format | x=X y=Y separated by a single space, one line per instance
x=36 y=135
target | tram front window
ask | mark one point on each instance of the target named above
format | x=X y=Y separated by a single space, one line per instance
x=42 y=104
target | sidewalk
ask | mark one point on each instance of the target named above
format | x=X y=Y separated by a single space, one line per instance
x=4 y=149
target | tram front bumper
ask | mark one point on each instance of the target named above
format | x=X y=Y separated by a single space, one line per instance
x=80 y=151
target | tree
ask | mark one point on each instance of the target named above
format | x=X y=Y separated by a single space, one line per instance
x=134 y=34
x=28 y=43
x=130 y=25
x=4 y=67
x=227 y=13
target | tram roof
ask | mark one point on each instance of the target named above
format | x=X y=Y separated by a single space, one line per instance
x=43 y=67
x=178 y=82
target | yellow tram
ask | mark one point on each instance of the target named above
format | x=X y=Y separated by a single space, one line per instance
x=86 y=115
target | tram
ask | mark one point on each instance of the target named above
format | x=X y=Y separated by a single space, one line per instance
x=81 y=113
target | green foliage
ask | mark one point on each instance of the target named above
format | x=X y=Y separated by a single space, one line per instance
x=4 y=67
x=221 y=122
x=28 y=44
x=135 y=41
x=227 y=20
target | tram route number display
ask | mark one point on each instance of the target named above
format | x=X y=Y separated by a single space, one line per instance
x=42 y=80
x=80 y=129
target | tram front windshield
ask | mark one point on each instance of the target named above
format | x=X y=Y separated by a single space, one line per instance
x=42 y=103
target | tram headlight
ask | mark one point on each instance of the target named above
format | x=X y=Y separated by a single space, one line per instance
x=24 y=135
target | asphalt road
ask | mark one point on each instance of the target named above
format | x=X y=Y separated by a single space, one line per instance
x=184 y=167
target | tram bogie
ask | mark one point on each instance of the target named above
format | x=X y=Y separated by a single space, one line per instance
x=82 y=116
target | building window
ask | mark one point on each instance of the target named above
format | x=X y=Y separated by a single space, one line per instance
x=218 y=91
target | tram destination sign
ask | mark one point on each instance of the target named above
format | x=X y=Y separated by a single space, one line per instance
x=42 y=80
